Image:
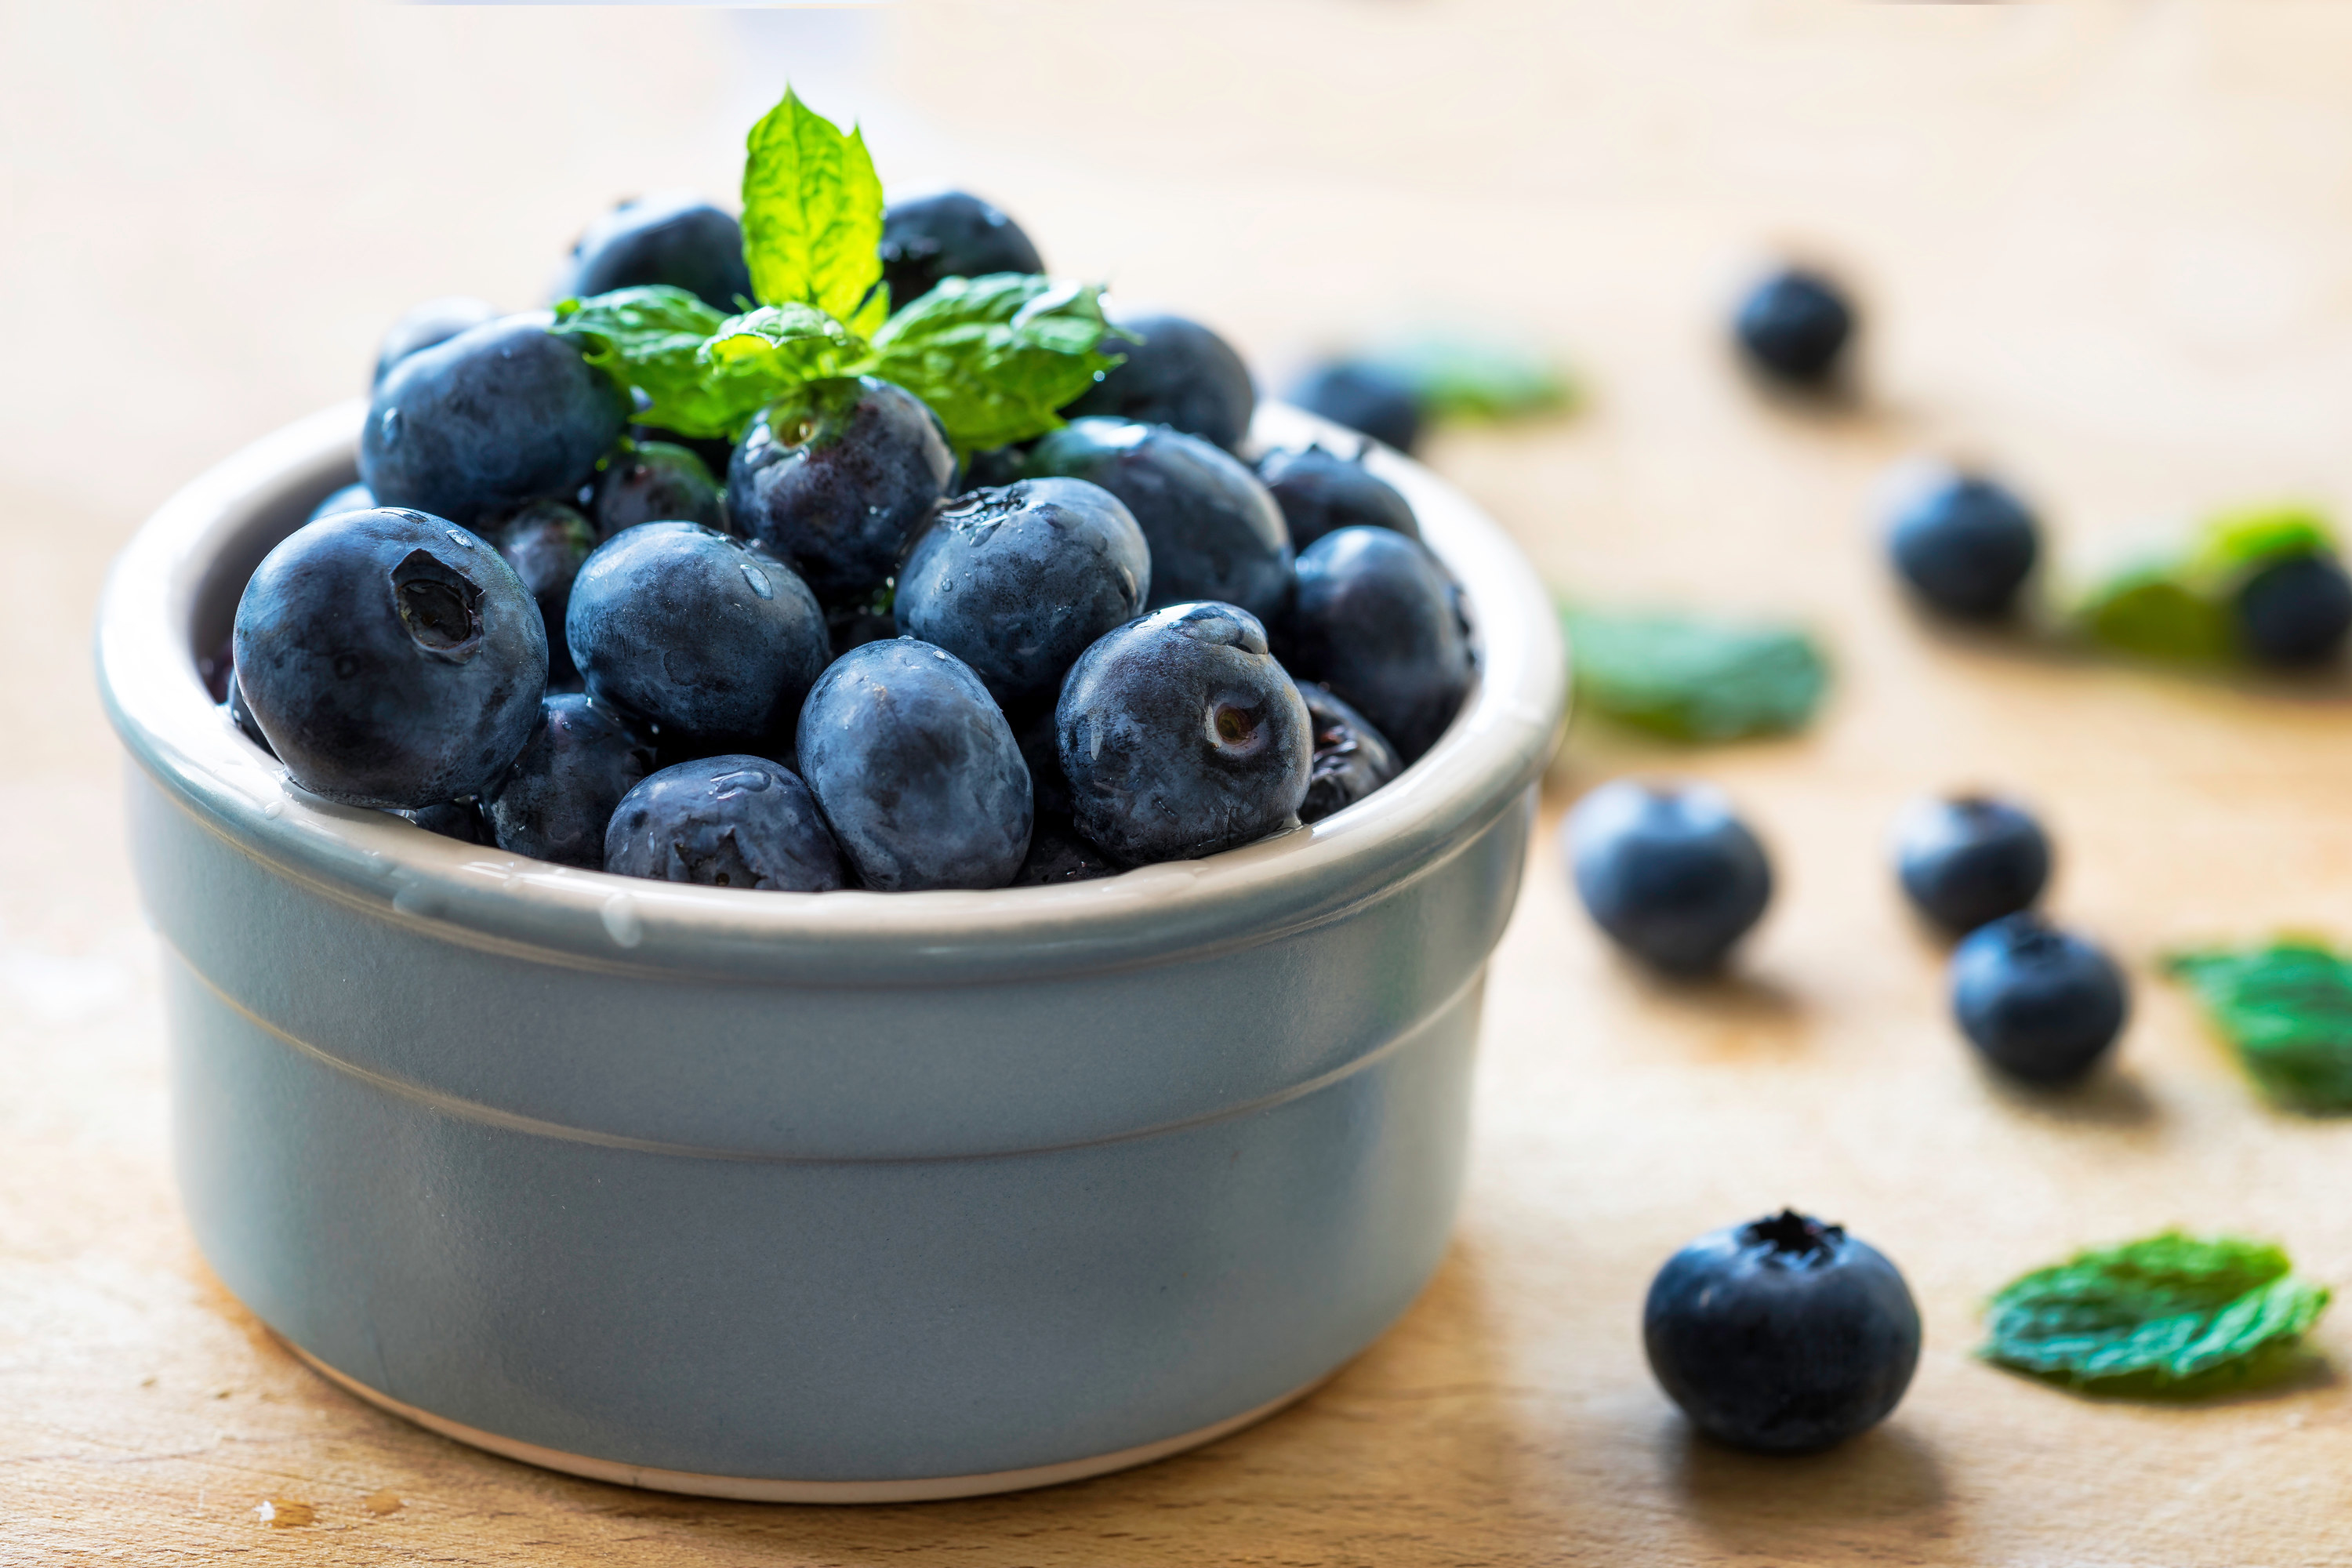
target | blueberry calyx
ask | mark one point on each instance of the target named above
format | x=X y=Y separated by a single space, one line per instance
x=442 y=610
x=1791 y=1239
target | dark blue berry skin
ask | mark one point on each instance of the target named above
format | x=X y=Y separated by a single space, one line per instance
x=1214 y=533
x=1966 y=545
x=994 y=467
x=1179 y=373
x=1784 y=1335
x=837 y=482
x=2040 y=1002
x=241 y=715
x=1667 y=871
x=1794 y=327
x=1351 y=758
x=709 y=639
x=495 y=416
x=1059 y=855
x=546 y=542
x=434 y=322
x=556 y=800
x=351 y=498
x=949 y=235
x=916 y=769
x=2294 y=614
x=463 y=820
x=1180 y=736
x=658 y=483
x=675 y=238
x=1018 y=582
x=1322 y=491
x=1364 y=398
x=1378 y=620
x=390 y=658
x=735 y=821
x=1970 y=859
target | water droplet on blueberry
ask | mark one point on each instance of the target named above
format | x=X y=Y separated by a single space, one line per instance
x=758 y=580
x=458 y=536
x=388 y=428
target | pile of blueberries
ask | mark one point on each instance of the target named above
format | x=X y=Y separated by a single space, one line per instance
x=864 y=660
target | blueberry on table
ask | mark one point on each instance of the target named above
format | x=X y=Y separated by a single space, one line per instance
x=676 y=239
x=1363 y=397
x=916 y=769
x=351 y=498
x=1180 y=736
x=949 y=234
x=1321 y=491
x=1964 y=544
x=556 y=800
x=462 y=820
x=1215 y=533
x=2040 y=1002
x=1967 y=859
x=1175 y=371
x=836 y=479
x=734 y=821
x=1668 y=871
x=434 y=322
x=498 y=415
x=1378 y=620
x=1018 y=582
x=2294 y=613
x=658 y=482
x=1784 y=1335
x=1794 y=327
x=1351 y=758
x=546 y=542
x=390 y=658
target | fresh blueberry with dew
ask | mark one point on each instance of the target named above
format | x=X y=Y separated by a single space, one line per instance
x=949 y=234
x=351 y=498
x=1175 y=371
x=657 y=481
x=1668 y=870
x=1794 y=326
x=1964 y=544
x=916 y=769
x=1784 y=1335
x=501 y=413
x=434 y=322
x=676 y=237
x=241 y=715
x=1180 y=736
x=1966 y=860
x=392 y=658
x=734 y=821
x=463 y=820
x=1214 y=532
x=1379 y=620
x=1351 y=758
x=1363 y=397
x=2294 y=614
x=546 y=542
x=1320 y=492
x=701 y=635
x=1018 y=582
x=836 y=479
x=557 y=798
x=2041 y=1004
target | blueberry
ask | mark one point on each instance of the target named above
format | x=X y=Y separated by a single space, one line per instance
x=2039 y=1002
x=1018 y=582
x=994 y=467
x=434 y=322
x=949 y=235
x=1351 y=758
x=242 y=716
x=1181 y=736
x=554 y=803
x=1380 y=621
x=917 y=770
x=1971 y=858
x=498 y=415
x=351 y=498
x=716 y=451
x=1058 y=854
x=706 y=638
x=1040 y=740
x=1321 y=491
x=1783 y=1334
x=676 y=239
x=1214 y=533
x=734 y=821
x=1667 y=871
x=462 y=820
x=545 y=542
x=1364 y=398
x=837 y=479
x=658 y=482
x=855 y=626
x=391 y=659
x=1175 y=373
x=1964 y=544
x=1794 y=326
x=2294 y=613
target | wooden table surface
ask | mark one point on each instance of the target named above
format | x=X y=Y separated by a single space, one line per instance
x=2108 y=245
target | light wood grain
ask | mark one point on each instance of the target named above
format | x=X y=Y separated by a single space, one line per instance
x=2108 y=243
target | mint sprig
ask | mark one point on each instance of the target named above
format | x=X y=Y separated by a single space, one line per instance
x=1691 y=678
x=996 y=356
x=2286 y=1007
x=813 y=216
x=2179 y=605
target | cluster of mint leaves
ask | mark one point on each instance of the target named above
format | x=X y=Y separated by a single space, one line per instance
x=995 y=357
x=2286 y=1007
x=1693 y=678
x=2179 y=605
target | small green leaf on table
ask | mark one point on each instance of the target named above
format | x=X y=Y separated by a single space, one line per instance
x=2287 y=1009
x=2179 y=605
x=1691 y=678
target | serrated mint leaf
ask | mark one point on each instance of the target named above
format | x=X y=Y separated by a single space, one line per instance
x=813 y=216
x=2169 y=1314
x=2179 y=607
x=996 y=356
x=650 y=341
x=1455 y=377
x=2287 y=1010
x=1694 y=679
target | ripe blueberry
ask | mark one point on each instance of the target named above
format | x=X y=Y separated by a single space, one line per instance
x=2294 y=613
x=434 y=322
x=555 y=801
x=733 y=821
x=463 y=820
x=351 y=498
x=1321 y=491
x=1794 y=326
x=1364 y=398
x=1380 y=621
x=545 y=542
x=2039 y=1002
x=1667 y=871
x=1964 y=544
x=949 y=235
x=1351 y=758
x=1175 y=373
x=658 y=483
x=1969 y=859
x=676 y=239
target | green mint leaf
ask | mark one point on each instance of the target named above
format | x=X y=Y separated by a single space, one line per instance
x=2231 y=547
x=1694 y=679
x=996 y=356
x=1475 y=378
x=2179 y=607
x=650 y=341
x=813 y=216
x=2169 y=1314
x=2287 y=1010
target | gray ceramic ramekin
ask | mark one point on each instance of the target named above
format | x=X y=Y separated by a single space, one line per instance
x=817 y=1197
